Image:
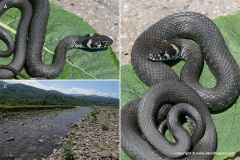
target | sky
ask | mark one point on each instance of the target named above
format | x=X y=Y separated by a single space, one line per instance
x=101 y=88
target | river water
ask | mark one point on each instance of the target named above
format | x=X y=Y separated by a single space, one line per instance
x=35 y=137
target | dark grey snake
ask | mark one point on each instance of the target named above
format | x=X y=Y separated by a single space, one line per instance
x=30 y=40
x=170 y=102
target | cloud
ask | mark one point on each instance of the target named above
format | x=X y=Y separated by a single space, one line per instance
x=116 y=95
x=74 y=90
x=56 y=87
x=32 y=83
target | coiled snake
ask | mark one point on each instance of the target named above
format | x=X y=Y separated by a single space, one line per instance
x=30 y=40
x=169 y=102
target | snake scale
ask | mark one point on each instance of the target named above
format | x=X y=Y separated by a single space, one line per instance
x=169 y=102
x=30 y=39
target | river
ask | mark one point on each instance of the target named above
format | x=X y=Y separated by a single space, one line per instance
x=35 y=136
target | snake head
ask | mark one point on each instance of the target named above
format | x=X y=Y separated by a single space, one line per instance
x=96 y=41
x=164 y=52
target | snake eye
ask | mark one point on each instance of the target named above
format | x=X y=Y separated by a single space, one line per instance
x=162 y=53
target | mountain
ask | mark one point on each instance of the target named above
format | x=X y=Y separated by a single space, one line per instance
x=20 y=94
x=95 y=98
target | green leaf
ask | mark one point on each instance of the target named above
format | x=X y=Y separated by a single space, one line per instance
x=124 y=156
x=80 y=64
x=227 y=123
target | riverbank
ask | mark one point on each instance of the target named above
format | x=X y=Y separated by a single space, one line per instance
x=16 y=112
x=94 y=137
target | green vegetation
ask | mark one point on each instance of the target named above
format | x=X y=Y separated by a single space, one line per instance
x=94 y=118
x=94 y=114
x=19 y=95
x=23 y=112
x=32 y=107
x=67 y=151
x=105 y=127
x=109 y=115
x=101 y=149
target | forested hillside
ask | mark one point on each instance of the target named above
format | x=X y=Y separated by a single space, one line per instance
x=20 y=94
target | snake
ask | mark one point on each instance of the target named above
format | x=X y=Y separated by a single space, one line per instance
x=170 y=101
x=30 y=39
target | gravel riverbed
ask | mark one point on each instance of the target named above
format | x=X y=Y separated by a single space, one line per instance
x=93 y=138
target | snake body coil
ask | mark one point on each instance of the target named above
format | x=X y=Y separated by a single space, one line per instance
x=33 y=23
x=142 y=133
x=138 y=119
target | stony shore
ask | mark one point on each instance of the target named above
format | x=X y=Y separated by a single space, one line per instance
x=95 y=137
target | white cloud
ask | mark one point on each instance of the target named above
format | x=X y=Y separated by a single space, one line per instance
x=116 y=95
x=72 y=90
